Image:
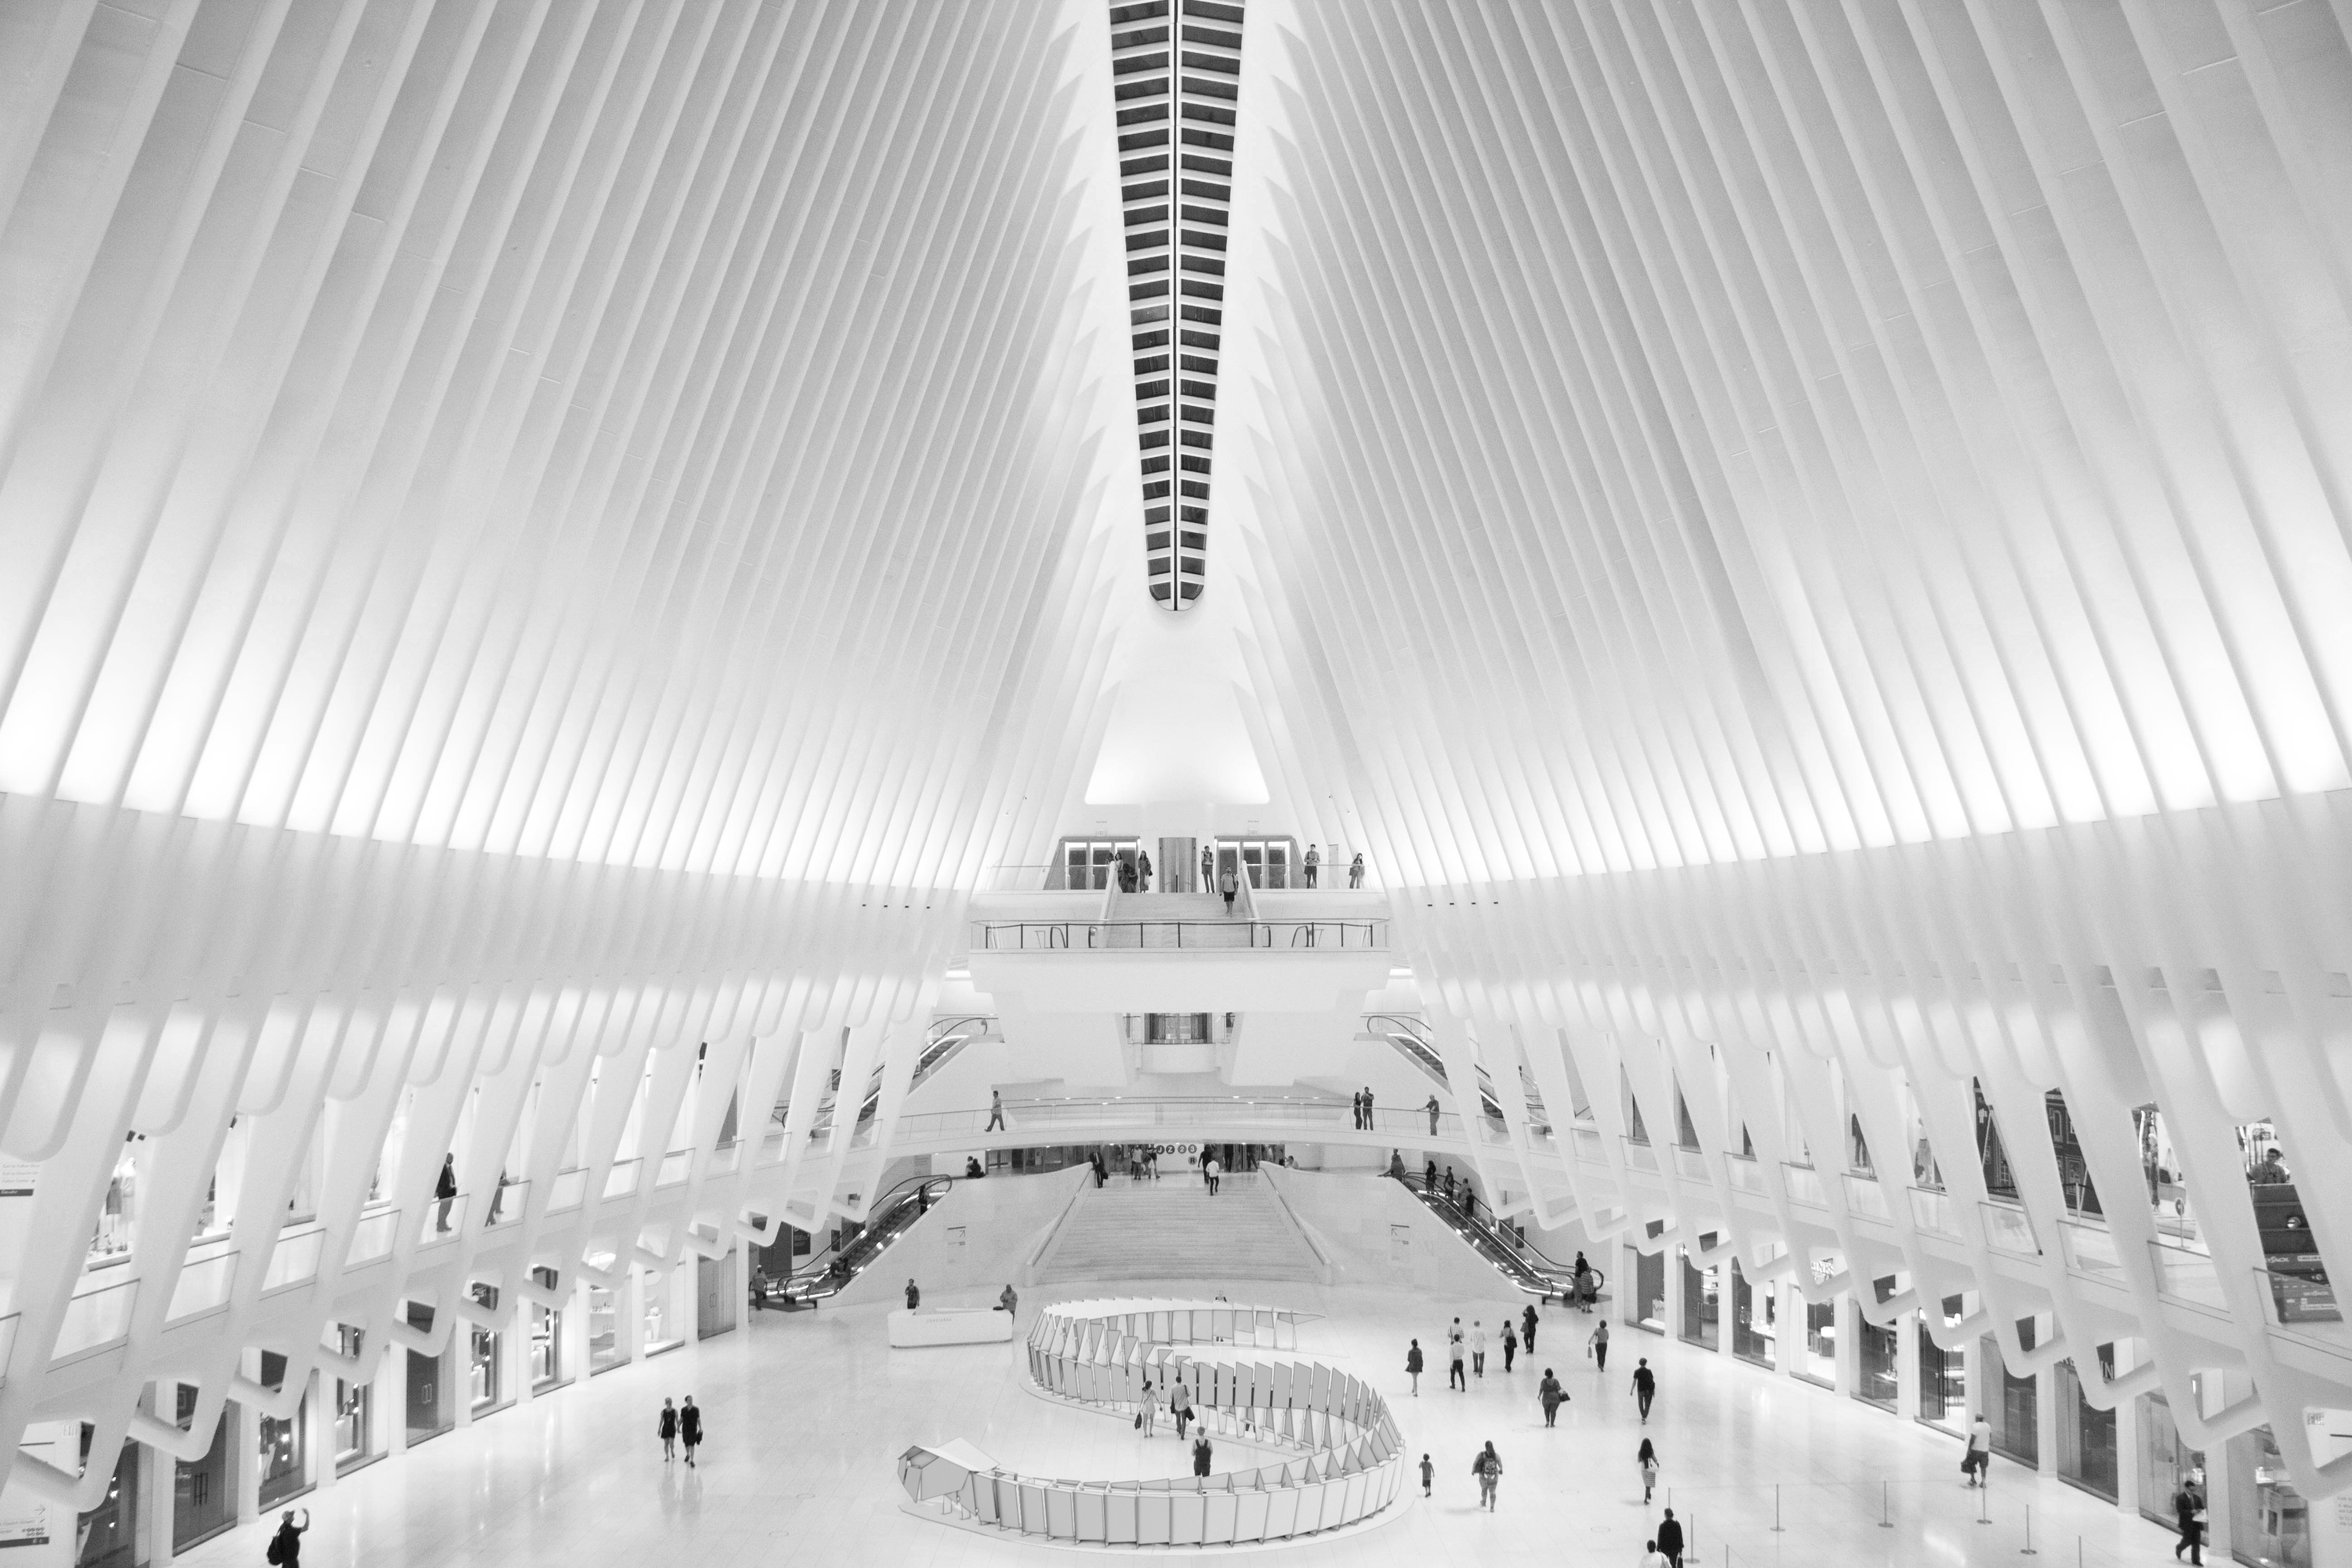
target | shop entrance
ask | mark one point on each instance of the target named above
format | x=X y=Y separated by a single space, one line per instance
x=201 y=1504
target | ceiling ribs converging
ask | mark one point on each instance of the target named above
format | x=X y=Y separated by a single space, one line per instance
x=1176 y=76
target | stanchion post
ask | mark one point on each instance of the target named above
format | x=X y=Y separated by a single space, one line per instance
x=1884 y=1520
x=1984 y=1498
x=2027 y=1549
x=1776 y=1508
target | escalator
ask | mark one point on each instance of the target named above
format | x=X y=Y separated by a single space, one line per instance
x=826 y=1274
x=1523 y=1264
x=1413 y=1040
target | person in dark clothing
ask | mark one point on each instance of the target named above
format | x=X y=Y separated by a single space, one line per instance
x=972 y=1170
x=1552 y=1393
x=1142 y=871
x=1645 y=1388
x=1528 y=1322
x=690 y=1427
x=668 y=1427
x=1369 y=1124
x=1670 y=1538
x=1429 y=1175
x=446 y=1189
x=1412 y=1365
x=914 y=1297
x=1201 y=1453
x=1356 y=1109
x=1510 y=1344
x=2188 y=1511
x=1208 y=869
x=1432 y=1108
x=1598 y=1345
x=286 y=1546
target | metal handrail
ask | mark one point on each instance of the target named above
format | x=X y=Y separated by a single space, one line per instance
x=1545 y=1276
x=1146 y=1113
x=828 y=1272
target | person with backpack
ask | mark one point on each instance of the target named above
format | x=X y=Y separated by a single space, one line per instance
x=690 y=1427
x=666 y=1426
x=1552 y=1395
x=1488 y=1467
x=1179 y=1405
x=286 y=1546
x=1413 y=1367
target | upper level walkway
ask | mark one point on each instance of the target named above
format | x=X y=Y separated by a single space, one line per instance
x=1211 y=1119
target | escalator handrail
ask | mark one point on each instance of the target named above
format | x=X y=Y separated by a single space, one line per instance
x=819 y=1278
x=1536 y=1262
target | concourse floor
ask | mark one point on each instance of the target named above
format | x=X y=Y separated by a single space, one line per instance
x=807 y=1413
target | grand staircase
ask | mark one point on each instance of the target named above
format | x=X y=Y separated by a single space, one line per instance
x=1172 y=1230
x=1203 y=920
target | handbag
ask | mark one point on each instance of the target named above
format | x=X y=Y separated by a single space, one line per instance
x=1139 y=1420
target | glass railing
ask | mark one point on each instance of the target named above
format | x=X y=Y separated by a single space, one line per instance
x=2090 y=1247
x=622 y=1179
x=96 y=1317
x=1589 y=1145
x=724 y=1159
x=676 y=1166
x=772 y=1149
x=372 y=1237
x=2186 y=1275
x=1211 y=936
x=295 y=1259
x=7 y=1345
x=508 y=1205
x=2300 y=1293
x=203 y=1286
x=1804 y=1185
x=1747 y=1176
x=443 y=1218
x=1075 y=1118
x=568 y=1190
x=1640 y=1155
x=2010 y=1228
x=1931 y=1210
x=1865 y=1197
x=1690 y=1164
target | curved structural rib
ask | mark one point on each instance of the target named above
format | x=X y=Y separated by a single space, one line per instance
x=1098 y=1354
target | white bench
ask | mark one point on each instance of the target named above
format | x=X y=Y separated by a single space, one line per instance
x=951 y=1326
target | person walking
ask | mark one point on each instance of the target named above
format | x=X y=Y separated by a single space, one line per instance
x=1596 y=1347
x=995 y=1112
x=2188 y=1510
x=1454 y=1352
x=1488 y=1467
x=689 y=1429
x=1179 y=1405
x=1432 y=1108
x=1149 y=1413
x=1201 y=1452
x=1228 y=884
x=1413 y=1367
x=666 y=1425
x=1645 y=1460
x=1314 y=861
x=446 y=1189
x=1009 y=1302
x=1670 y=1539
x=1428 y=1474
x=1356 y=870
x=1646 y=1387
x=1553 y=1395
x=1583 y=1278
x=1978 y=1458
x=1510 y=1344
x=1654 y=1558
x=1143 y=870
x=1478 y=1346
x=1529 y=1318
x=286 y=1547
x=1210 y=1168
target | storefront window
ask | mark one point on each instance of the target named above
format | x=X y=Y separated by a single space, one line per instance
x=201 y=1504
x=2086 y=1436
x=108 y=1536
x=284 y=1442
x=546 y=1338
x=2166 y=1463
x=484 y=1371
x=118 y=1217
x=430 y=1411
x=1876 y=1349
x=1943 y=1375
x=1819 y=1364
x=2270 y=1524
x=604 y=1351
x=1702 y=1310
x=662 y=1329
x=1755 y=1327
x=354 y=1416
x=2013 y=1415
x=1650 y=1290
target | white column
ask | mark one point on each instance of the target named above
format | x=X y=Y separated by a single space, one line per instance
x=2046 y=1401
x=1907 y=1365
x=2128 y=1354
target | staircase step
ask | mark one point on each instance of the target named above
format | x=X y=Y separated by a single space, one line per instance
x=1174 y=1230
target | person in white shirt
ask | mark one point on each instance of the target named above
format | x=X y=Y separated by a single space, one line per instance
x=1654 y=1558
x=1454 y=1378
x=1478 y=1347
x=1980 y=1455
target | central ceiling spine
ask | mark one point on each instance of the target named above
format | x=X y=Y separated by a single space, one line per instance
x=1176 y=77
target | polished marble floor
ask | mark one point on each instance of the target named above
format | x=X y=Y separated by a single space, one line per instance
x=808 y=1413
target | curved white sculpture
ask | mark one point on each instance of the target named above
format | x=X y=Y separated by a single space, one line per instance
x=1099 y=1353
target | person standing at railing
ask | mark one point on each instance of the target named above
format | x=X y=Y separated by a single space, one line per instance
x=1356 y=1110
x=1143 y=871
x=1314 y=860
x=446 y=1189
x=1432 y=1108
x=1356 y=871
x=1368 y=1123
x=995 y=1112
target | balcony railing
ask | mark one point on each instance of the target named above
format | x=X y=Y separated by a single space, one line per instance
x=1865 y=1197
x=7 y=1344
x=622 y=1179
x=443 y=1218
x=1640 y=1155
x=203 y=1286
x=1690 y=1164
x=2300 y=1294
x=1931 y=1210
x=2010 y=1228
x=508 y=1203
x=1122 y=1115
x=1745 y=1175
x=675 y=1167
x=295 y=1259
x=2187 y=1274
x=568 y=1191
x=96 y=1317
x=372 y=1237
x=1134 y=936
x=1804 y=1185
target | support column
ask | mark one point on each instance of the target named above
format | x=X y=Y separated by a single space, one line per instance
x=2046 y=1401
x=1906 y=1366
x=2128 y=1354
